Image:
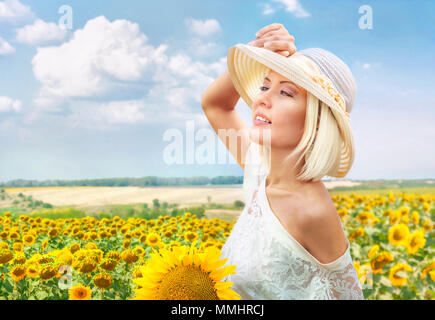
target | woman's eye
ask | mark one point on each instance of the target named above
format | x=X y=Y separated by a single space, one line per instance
x=287 y=94
x=263 y=88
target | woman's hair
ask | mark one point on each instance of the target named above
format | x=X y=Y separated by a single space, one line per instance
x=320 y=148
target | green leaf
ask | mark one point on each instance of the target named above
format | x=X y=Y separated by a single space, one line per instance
x=7 y=285
x=41 y=295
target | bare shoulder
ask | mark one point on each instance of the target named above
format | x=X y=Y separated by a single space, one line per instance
x=319 y=225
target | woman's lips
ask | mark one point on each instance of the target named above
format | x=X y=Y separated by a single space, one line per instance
x=261 y=123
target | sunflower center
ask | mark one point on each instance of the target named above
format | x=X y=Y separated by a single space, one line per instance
x=398 y=235
x=81 y=293
x=414 y=241
x=187 y=283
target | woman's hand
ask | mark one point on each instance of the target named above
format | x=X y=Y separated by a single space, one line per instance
x=275 y=37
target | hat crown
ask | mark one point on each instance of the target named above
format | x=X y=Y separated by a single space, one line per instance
x=337 y=71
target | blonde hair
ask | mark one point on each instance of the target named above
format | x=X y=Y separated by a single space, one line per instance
x=320 y=148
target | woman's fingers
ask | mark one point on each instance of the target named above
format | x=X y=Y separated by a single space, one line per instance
x=280 y=45
x=278 y=35
x=275 y=37
x=283 y=53
x=270 y=27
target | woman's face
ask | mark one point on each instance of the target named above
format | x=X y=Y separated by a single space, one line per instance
x=283 y=103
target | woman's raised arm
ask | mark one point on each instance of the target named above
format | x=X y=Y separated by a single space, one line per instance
x=220 y=98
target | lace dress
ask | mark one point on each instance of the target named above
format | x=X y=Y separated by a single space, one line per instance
x=272 y=265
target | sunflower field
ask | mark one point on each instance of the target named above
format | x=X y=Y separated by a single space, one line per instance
x=391 y=236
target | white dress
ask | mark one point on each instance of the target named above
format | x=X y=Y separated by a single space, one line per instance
x=272 y=265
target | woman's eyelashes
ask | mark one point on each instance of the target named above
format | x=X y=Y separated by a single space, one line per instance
x=262 y=88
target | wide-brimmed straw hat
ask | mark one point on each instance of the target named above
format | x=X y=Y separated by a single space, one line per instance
x=331 y=82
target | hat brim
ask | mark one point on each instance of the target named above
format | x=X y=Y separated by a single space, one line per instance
x=249 y=65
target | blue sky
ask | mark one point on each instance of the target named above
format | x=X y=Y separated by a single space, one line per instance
x=94 y=101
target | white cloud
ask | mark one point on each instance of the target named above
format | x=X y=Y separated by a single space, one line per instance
x=14 y=10
x=268 y=9
x=87 y=78
x=97 y=58
x=7 y=104
x=41 y=32
x=294 y=7
x=5 y=47
x=203 y=28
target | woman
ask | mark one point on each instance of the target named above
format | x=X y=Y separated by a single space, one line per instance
x=289 y=242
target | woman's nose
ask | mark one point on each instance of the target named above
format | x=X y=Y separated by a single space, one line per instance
x=264 y=99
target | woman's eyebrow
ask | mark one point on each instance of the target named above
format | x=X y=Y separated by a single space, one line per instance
x=283 y=82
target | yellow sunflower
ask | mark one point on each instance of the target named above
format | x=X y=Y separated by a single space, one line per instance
x=5 y=256
x=380 y=261
x=80 y=292
x=184 y=273
x=397 y=274
x=190 y=236
x=18 y=272
x=32 y=271
x=398 y=234
x=103 y=280
x=427 y=269
x=416 y=240
x=29 y=240
x=373 y=250
x=153 y=239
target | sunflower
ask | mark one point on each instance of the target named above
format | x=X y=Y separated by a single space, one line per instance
x=143 y=238
x=19 y=258
x=153 y=239
x=129 y=256
x=5 y=256
x=48 y=271
x=139 y=251
x=32 y=271
x=190 y=236
x=427 y=225
x=17 y=246
x=109 y=264
x=184 y=273
x=4 y=245
x=380 y=261
x=126 y=244
x=357 y=233
x=80 y=292
x=394 y=217
x=373 y=250
x=364 y=217
x=427 y=269
x=397 y=275
x=398 y=234
x=88 y=264
x=29 y=240
x=18 y=272
x=103 y=280
x=115 y=255
x=416 y=240
x=415 y=217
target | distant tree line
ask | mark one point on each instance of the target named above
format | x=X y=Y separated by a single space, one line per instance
x=149 y=181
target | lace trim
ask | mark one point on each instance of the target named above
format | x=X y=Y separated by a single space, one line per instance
x=267 y=269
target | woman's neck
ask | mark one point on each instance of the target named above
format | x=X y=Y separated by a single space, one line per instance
x=283 y=175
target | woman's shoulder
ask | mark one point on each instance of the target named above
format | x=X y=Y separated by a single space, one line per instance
x=311 y=216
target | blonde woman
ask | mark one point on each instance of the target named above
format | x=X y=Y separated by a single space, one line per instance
x=289 y=242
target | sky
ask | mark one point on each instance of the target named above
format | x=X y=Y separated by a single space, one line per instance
x=88 y=89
